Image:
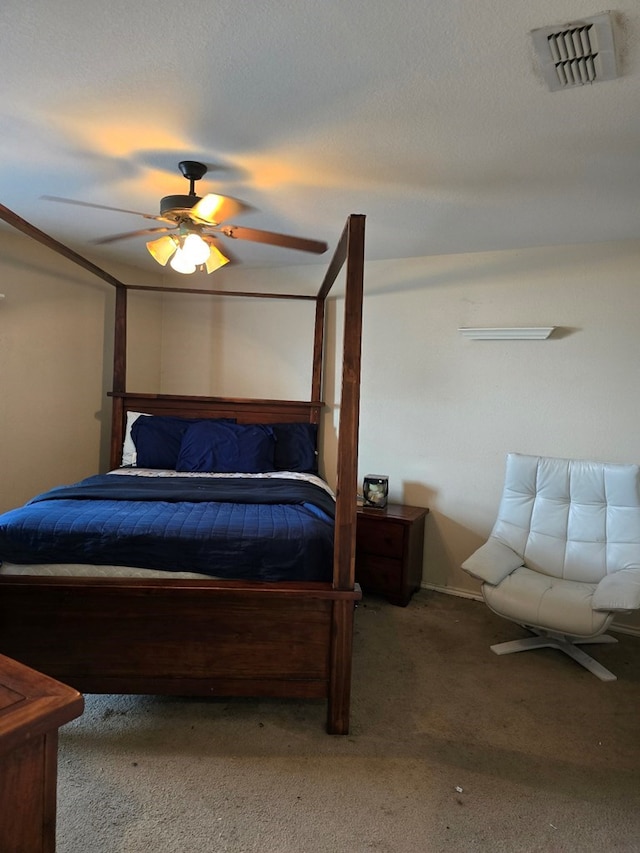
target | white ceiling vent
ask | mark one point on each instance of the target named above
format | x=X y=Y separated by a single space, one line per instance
x=574 y=54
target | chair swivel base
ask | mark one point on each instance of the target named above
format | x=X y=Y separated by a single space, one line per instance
x=568 y=645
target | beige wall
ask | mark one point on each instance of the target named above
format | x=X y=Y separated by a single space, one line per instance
x=240 y=347
x=439 y=412
x=56 y=355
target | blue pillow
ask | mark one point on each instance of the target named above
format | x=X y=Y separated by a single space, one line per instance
x=296 y=447
x=158 y=439
x=224 y=448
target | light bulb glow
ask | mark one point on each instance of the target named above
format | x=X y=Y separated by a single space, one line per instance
x=181 y=263
x=195 y=249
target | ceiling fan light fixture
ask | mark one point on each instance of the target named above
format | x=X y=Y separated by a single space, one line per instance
x=186 y=253
x=162 y=249
x=215 y=260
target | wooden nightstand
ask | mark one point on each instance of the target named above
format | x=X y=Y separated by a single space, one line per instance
x=389 y=549
x=32 y=708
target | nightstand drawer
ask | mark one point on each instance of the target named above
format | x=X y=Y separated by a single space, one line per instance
x=386 y=540
x=389 y=551
x=381 y=574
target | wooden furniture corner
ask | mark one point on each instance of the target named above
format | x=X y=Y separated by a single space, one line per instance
x=32 y=708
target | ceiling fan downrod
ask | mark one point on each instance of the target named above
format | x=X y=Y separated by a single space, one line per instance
x=182 y=204
x=193 y=171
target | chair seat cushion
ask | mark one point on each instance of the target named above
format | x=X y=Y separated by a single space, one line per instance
x=531 y=598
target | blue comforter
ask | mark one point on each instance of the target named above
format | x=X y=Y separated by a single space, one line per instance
x=252 y=529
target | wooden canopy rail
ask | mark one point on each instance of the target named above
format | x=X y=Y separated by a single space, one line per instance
x=209 y=637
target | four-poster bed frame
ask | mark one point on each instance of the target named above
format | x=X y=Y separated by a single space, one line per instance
x=208 y=637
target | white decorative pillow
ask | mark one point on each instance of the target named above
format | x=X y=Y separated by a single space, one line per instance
x=129 y=448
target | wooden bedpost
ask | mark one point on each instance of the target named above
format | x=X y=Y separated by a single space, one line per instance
x=119 y=376
x=318 y=349
x=339 y=700
x=344 y=547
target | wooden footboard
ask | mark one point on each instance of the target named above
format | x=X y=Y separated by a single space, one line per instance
x=185 y=637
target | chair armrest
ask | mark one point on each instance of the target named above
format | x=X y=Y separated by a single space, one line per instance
x=492 y=562
x=618 y=591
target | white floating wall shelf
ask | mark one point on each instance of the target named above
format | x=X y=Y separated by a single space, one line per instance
x=521 y=333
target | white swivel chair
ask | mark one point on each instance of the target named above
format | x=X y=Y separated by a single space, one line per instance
x=564 y=554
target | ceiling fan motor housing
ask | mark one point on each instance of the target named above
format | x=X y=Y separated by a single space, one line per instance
x=176 y=204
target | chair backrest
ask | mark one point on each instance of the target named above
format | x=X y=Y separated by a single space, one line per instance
x=570 y=518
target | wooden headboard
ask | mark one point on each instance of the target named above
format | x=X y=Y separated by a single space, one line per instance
x=248 y=411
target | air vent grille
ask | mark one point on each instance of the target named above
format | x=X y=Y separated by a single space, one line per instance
x=578 y=53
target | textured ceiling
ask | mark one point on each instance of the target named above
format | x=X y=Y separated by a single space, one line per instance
x=430 y=117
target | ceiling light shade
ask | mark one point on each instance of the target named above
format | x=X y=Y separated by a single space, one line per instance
x=187 y=253
x=181 y=262
x=195 y=249
x=162 y=249
x=215 y=260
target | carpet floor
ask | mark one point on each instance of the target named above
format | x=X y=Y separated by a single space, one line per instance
x=451 y=748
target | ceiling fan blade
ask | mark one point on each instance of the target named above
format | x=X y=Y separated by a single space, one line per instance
x=214 y=209
x=99 y=206
x=114 y=237
x=287 y=241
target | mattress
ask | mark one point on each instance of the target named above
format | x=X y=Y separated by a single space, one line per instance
x=271 y=527
x=85 y=570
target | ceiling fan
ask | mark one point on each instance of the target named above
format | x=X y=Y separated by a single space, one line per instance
x=192 y=225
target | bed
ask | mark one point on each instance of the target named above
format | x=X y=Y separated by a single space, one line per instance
x=170 y=623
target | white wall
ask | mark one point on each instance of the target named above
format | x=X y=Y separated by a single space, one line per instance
x=439 y=412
